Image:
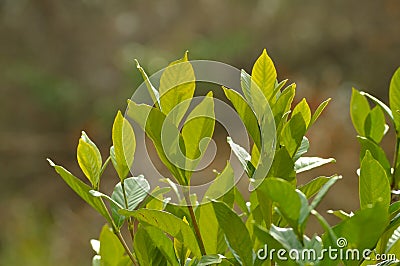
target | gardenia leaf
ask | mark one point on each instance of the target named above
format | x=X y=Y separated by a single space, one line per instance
x=148 y=251
x=124 y=145
x=136 y=189
x=111 y=250
x=89 y=159
x=312 y=187
x=393 y=240
x=374 y=184
x=264 y=74
x=169 y=224
x=319 y=110
x=375 y=126
x=243 y=157
x=177 y=86
x=246 y=114
x=307 y=163
x=359 y=110
x=394 y=98
x=235 y=231
x=82 y=190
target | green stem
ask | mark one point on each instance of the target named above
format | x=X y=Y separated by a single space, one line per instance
x=195 y=224
x=120 y=237
x=130 y=222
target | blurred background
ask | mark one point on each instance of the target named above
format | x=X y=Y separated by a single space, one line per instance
x=67 y=66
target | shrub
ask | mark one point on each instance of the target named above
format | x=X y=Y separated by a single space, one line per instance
x=223 y=227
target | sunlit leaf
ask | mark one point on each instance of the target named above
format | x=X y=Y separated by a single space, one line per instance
x=374 y=184
x=235 y=232
x=359 y=110
x=177 y=86
x=89 y=159
x=82 y=190
x=198 y=131
x=124 y=145
x=170 y=224
x=264 y=74
x=307 y=163
x=136 y=189
x=374 y=126
x=394 y=98
x=319 y=111
x=246 y=114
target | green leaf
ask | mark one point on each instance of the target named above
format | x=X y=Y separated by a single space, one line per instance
x=211 y=232
x=96 y=261
x=177 y=86
x=264 y=74
x=152 y=91
x=293 y=132
x=235 y=232
x=162 y=243
x=283 y=104
x=124 y=145
x=89 y=159
x=286 y=237
x=282 y=165
x=394 y=98
x=170 y=224
x=246 y=114
x=82 y=190
x=374 y=126
x=270 y=243
x=198 y=131
x=381 y=104
x=318 y=112
x=136 y=190
x=243 y=157
x=254 y=95
x=152 y=120
x=374 y=184
x=303 y=109
x=111 y=250
x=376 y=152
x=284 y=194
x=341 y=214
x=362 y=230
x=146 y=249
x=307 y=163
x=393 y=240
x=304 y=146
x=210 y=260
x=359 y=110
x=223 y=183
x=180 y=250
x=324 y=189
x=312 y=187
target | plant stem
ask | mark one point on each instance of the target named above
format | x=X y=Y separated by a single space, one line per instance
x=195 y=224
x=122 y=240
x=130 y=223
x=120 y=237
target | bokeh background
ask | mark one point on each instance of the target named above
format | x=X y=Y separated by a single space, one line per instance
x=69 y=65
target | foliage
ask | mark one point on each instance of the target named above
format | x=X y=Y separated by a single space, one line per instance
x=278 y=209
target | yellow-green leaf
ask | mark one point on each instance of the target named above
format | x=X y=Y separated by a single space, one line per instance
x=124 y=145
x=264 y=74
x=89 y=159
x=177 y=85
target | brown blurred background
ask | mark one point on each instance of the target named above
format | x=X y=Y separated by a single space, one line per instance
x=68 y=65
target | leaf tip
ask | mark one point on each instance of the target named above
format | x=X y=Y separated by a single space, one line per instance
x=52 y=164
